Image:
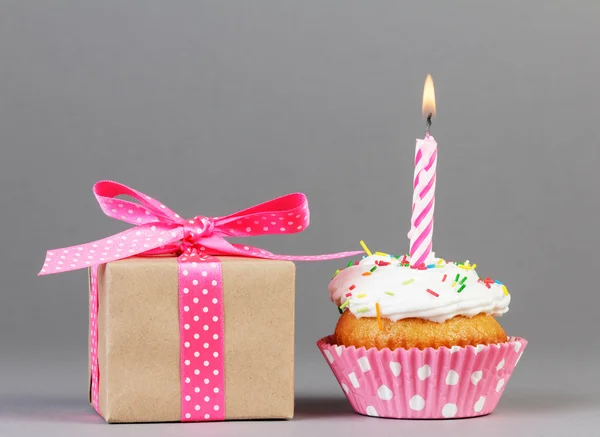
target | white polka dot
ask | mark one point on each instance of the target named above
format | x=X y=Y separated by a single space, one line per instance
x=204 y=274
x=187 y=362
x=476 y=377
x=216 y=389
x=500 y=384
x=215 y=354
x=215 y=372
x=424 y=372
x=206 y=327
x=328 y=355
x=186 y=308
x=500 y=364
x=196 y=354
x=452 y=377
x=371 y=411
x=345 y=387
x=206 y=380
x=215 y=318
x=246 y=248
x=195 y=282
x=214 y=300
x=188 y=415
x=186 y=326
x=185 y=272
x=353 y=380
x=197 y=372
x=449 y=410
x=205 y=291
x=207 y=416
x=188 y=398
x=205 y=309
x=216 y=408
x=265 y=228
x=215 y=337
x=196 y=318
x=248 y=229
x=214 y=282
x=187 y=380
x=364 y=364
x=186 y=290
x=205 y=345
x=206 y=399
x=479 y=404
x=339 y=350
x=384 y=393
x=196 y=336
x=517 y=346
x=197 y=407
x=196 y=300
x=197 y=389
x=416 y=403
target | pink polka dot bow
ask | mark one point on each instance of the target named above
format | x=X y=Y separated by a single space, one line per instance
x=197 y=242
x=160 y=230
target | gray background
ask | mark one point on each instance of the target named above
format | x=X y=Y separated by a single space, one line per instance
x=214 y=106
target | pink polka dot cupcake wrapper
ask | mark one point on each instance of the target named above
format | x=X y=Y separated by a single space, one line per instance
x=423 y=384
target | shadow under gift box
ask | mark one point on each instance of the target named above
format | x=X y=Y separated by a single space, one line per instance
x=139 y=343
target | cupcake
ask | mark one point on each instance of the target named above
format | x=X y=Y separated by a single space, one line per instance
x=419 y=342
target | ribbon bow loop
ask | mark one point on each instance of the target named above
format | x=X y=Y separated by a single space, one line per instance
x=160 y=230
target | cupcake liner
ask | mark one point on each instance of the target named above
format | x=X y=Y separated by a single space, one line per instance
x=423 y=384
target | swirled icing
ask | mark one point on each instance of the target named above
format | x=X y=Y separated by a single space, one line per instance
x=432 y=293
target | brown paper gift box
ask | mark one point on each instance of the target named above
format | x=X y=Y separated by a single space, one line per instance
x=138 y=339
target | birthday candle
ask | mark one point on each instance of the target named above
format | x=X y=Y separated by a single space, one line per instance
x=421 y=231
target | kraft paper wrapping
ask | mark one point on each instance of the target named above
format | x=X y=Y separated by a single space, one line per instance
x=138 y=335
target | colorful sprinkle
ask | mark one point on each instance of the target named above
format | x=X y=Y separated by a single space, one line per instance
x=362 y=310
x=350 y=264
x=444 y=278
x=378 y=316
x=439 y=267
x=336 y=273
x=360 y=296
x=352 y=287
x=382 y=254
x=403 y=260
x=432 y=292
x=366 y=249
x=340 y=310
x=462 y=287
x=345 y=304
x=505 y=290
x=366 y=274
x=498 y=282
x=454 y=284
x=457 y=277
x=462 y=281
x=389 y=293
x=348 y=294
x=441 y=261
x=408 y=281
x=373 y=269
x=383 y=263
x=431 y=266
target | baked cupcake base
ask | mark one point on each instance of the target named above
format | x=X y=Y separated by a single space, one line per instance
x=423 y=383
x=420 y=333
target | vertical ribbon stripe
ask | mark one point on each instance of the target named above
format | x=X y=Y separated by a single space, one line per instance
x=202 y=342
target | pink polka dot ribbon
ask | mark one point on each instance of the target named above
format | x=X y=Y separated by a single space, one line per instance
x=196 y=241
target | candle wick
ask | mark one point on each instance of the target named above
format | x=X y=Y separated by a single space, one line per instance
x=428 y=123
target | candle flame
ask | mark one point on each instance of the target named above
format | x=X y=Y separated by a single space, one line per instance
x=428 y=98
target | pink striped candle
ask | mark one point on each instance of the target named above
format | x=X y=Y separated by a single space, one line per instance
x=423 y=205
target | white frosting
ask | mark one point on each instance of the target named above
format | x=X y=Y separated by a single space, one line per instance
x=398 y=299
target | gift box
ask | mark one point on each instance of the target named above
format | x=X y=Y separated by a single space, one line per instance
x=184 y=325
x=139 y=342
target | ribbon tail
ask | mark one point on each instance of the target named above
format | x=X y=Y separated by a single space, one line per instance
x=125 y=244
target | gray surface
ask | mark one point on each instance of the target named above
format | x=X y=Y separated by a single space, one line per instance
x=213 y=106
